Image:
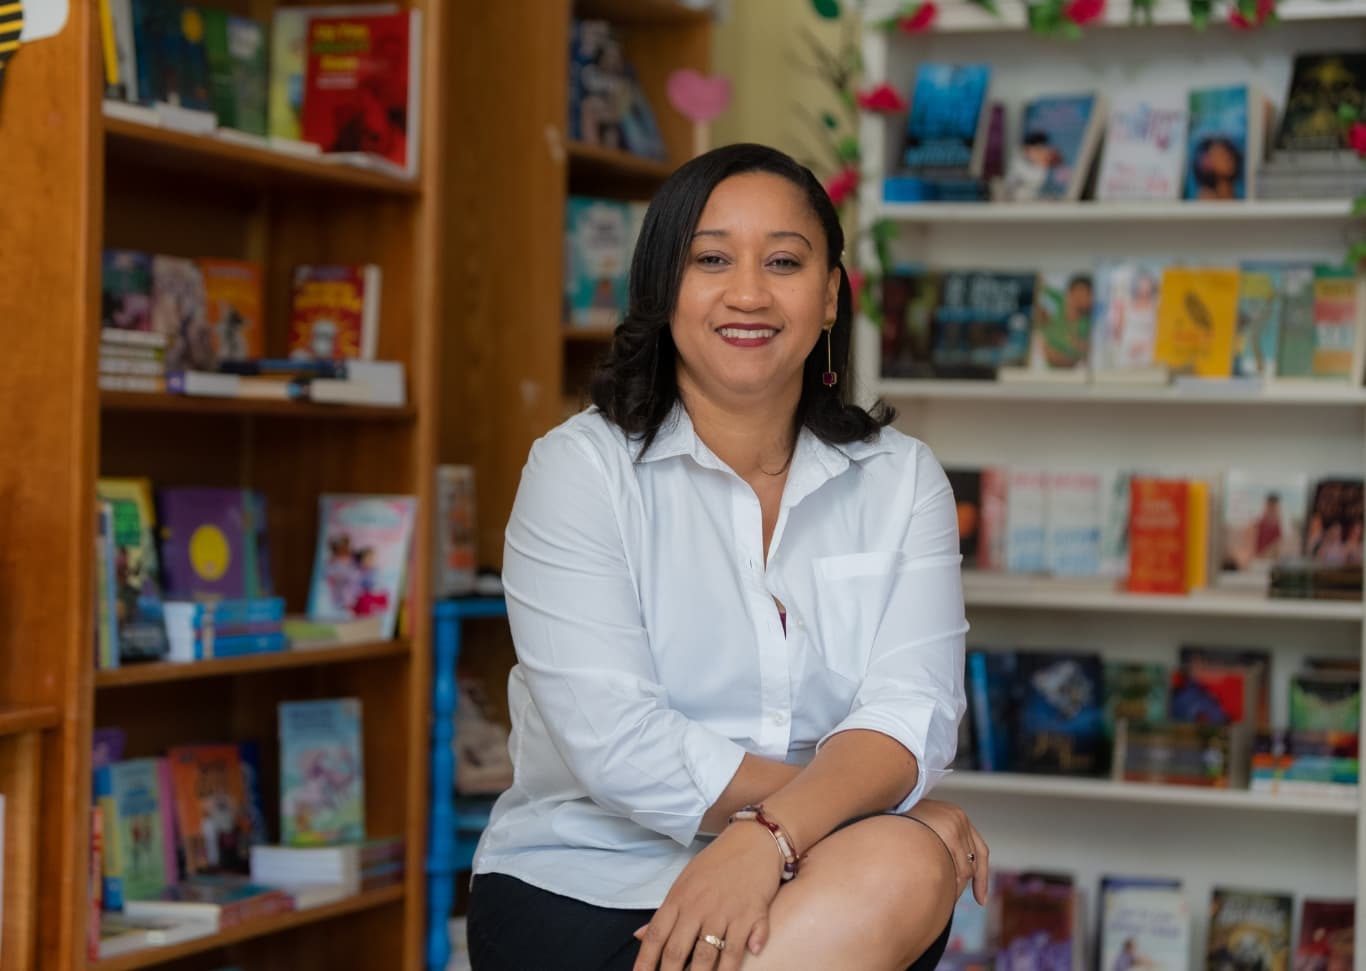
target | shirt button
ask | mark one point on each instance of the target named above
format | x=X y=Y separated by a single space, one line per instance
x=779 y=718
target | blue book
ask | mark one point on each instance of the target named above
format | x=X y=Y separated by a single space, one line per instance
x=1058 y=139
x=598 y=260
x=1224 y=142
x=322 y=772
x=945 y=125
x=1062 y=714
x=981 y=324
x=991 y=676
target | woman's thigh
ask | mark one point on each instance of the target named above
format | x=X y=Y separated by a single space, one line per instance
x=513 y=926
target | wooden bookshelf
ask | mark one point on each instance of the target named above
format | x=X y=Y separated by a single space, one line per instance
x=594 y=160
x=82 y=181
x=589 y=335
x=253 y=930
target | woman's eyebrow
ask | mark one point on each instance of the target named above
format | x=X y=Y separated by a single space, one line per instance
x=776 y=234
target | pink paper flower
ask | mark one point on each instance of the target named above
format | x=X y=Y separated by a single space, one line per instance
x=918 y=21
x=1265 y=8
x=1082 y=12
x=882 y=98
x=1356 y=137
x=843 y=185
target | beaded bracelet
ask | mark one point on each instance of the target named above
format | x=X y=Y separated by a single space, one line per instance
x=756 y=814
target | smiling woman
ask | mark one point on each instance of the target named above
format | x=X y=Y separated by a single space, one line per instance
x=736 y=604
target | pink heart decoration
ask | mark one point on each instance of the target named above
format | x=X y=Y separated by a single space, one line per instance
x=698 y=97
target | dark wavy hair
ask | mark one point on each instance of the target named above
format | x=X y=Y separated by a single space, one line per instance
x=636 y=385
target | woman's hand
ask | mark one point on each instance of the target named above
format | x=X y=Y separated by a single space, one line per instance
x=724 y=892
x=965 y=845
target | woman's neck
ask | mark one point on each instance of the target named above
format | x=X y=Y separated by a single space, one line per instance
x=754 y=439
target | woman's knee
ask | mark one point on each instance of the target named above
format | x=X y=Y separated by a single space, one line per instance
x=897 y=860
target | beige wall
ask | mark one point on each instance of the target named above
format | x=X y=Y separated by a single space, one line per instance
x=760 y=47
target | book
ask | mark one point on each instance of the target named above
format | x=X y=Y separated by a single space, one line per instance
x=1026 y=546
x=1227 y=140
x=1158 y=523
x=1333 y=534
x=1061 y=727
x=1135 y=692
x=334 y=312
x=126 y=291
x=1038 y=914
x=172 y=63
x=124 y=84
x=122 y=934
x=361 y=85
x=1115 y=506
x=1263 y=521
x=322 y=772
x=1144 y=923
x=993 y=696
x=234 y=301
x=1325 y=702
x=137 y=607
x=908 y=301
x=341 y=863
x=1073 y=524
x=607 y=105
x=239 y=69
x=211 y=543
x=1248 y=929
x=1060 y=340
x=1299 y=334
x=1320 y=85
x=1124 y=329
x=945 y=125
x=360 y=565
x=1327 y=935
x=180 y=313
x=457 y=560
x=218 y=901
x=981 y=324
x=1259 y=319
x=1058 y=139
x=212 y=817
x=1197 y=315
x=1182 y=753
x=1337 y=351
x=967 y=497
x=1145 y=146
x=138 y=841
x=598 y=261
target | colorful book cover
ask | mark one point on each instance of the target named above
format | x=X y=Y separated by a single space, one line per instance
x=125 y=88
x=457 y=559
x=322 y=772
x=238 y=70
x=1299 y=334
x=1197 y=315
x=288 y=35
x=1074 y=523
x=357 y=70
x=1333 y=533
x=1320 y=86
x=212 y=817
x=1254 y=663
x=1026 y=521
x=967 y=496
x=171 y=61
x=1114 y=517
x=136 y=835
x=1325 y=702
x=944 y=124
x=234 y=298
x=1037 y=922
x=1058 y=137
x=179 y=313
x=1145 y=147
x=1062 y=714
x=126 y=290
x=1259 y=319
x=1124 y=329
x=335 y=312
x=598 y=86
x=362 y=554
x=1222 y=149
x=993 y=530
x=981 y=324
x=1158 y=523
x=208 y=543
x=1335 y=322
x=1327 y=935
x=136 y=568
x=1144 y=924
x=1135 y=692
x=992 y=694
x=1263 y=521
x=1249 y=930
x=908 y=302
x=106 y=589
x=598 y=258
x=1063 y=306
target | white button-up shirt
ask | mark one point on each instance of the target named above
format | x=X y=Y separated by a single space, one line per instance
x=652 y=655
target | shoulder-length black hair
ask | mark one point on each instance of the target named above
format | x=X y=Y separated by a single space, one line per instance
x=636 y=385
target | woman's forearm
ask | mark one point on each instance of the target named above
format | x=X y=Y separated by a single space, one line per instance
x=755 y=780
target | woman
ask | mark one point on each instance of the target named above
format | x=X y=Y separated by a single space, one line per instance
x=729 y=588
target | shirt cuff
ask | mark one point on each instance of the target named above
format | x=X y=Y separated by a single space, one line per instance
x=711 y=761
x=910 y=731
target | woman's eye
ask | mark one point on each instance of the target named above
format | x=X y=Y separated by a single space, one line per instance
x=711 y=259
x=784 y=263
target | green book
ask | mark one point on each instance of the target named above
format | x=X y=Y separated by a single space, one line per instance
x=136 y=836
x=1299 y=339
x=238 y=70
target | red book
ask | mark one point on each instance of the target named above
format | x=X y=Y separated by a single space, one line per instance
x=334 y=315
x=359 y=79
x=1158 y=522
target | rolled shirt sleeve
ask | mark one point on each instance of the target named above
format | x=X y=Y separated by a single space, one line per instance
x=585 y=655
x=913 y=688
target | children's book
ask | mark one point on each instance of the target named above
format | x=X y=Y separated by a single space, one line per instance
x=322 y=772
x=1207 y=663
x=598 y=260
x=1135 y=692
x=234 y=299
x=137 y=608
x=1058 y=139
x=1333 y=533
x=1299 y=333
x=1145 y=146
x=238 y=70
x=126 y=291
x=360 y=568
x=1124 y=329
x=1227 y=139
x=1337 y=328
x=210 y=543
x=334 y=312
x=361 y=85
x=138 y=841
x=1144 y=923
x=212 y=812
x=1320 y=86
x=1327 y=701
x=1249 y=929
x=1327 y=935
x=1263 y=522
x=180 y=314
x=1061 y=337
x=457 y=559
x=1197 y=315
x=1038 y=922
x=1259 y=319
x=1062 y=714
x=945 y=127
x=981 y=324
x=172 y=64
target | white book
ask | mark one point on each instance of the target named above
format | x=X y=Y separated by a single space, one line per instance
x=1144 y=926
x=1124 y=324
x=1145 y=146
x=1262 y=522
x=1026 y=523
x=1073 y=524
x=125 y=50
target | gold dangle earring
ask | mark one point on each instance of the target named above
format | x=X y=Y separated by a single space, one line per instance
x=829 y=378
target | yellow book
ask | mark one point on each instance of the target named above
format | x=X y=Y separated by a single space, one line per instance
x=1197 y=534
x=1197 y=317
x=111 y=60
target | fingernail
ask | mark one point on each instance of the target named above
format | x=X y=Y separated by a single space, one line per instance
x=754 y=948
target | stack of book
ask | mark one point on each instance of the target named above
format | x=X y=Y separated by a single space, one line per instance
x=314 y=875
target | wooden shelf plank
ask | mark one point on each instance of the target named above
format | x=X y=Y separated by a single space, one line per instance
x=146 y=145
x=1017 y=784
x=194 y=404
x=1007 y=591
x=15 y=719
x=1325 y=396
x=640 y=13
x=1033 y=213
x=589 y=335
x=595 y=160
x=152 y=957
x=135 y=674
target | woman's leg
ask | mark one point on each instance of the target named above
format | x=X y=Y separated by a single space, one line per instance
x=873 y=896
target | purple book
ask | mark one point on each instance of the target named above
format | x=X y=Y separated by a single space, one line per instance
x=210 y=545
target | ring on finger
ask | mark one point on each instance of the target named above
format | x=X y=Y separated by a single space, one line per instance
x=972 y=857
x=717 y=942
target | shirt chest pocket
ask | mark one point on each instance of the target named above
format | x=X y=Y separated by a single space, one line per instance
x=851 y=595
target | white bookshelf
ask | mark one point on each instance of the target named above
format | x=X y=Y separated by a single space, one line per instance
x=1010 y=784
x=1305 y=845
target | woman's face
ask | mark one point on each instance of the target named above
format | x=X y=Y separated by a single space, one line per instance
x=756 y=292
